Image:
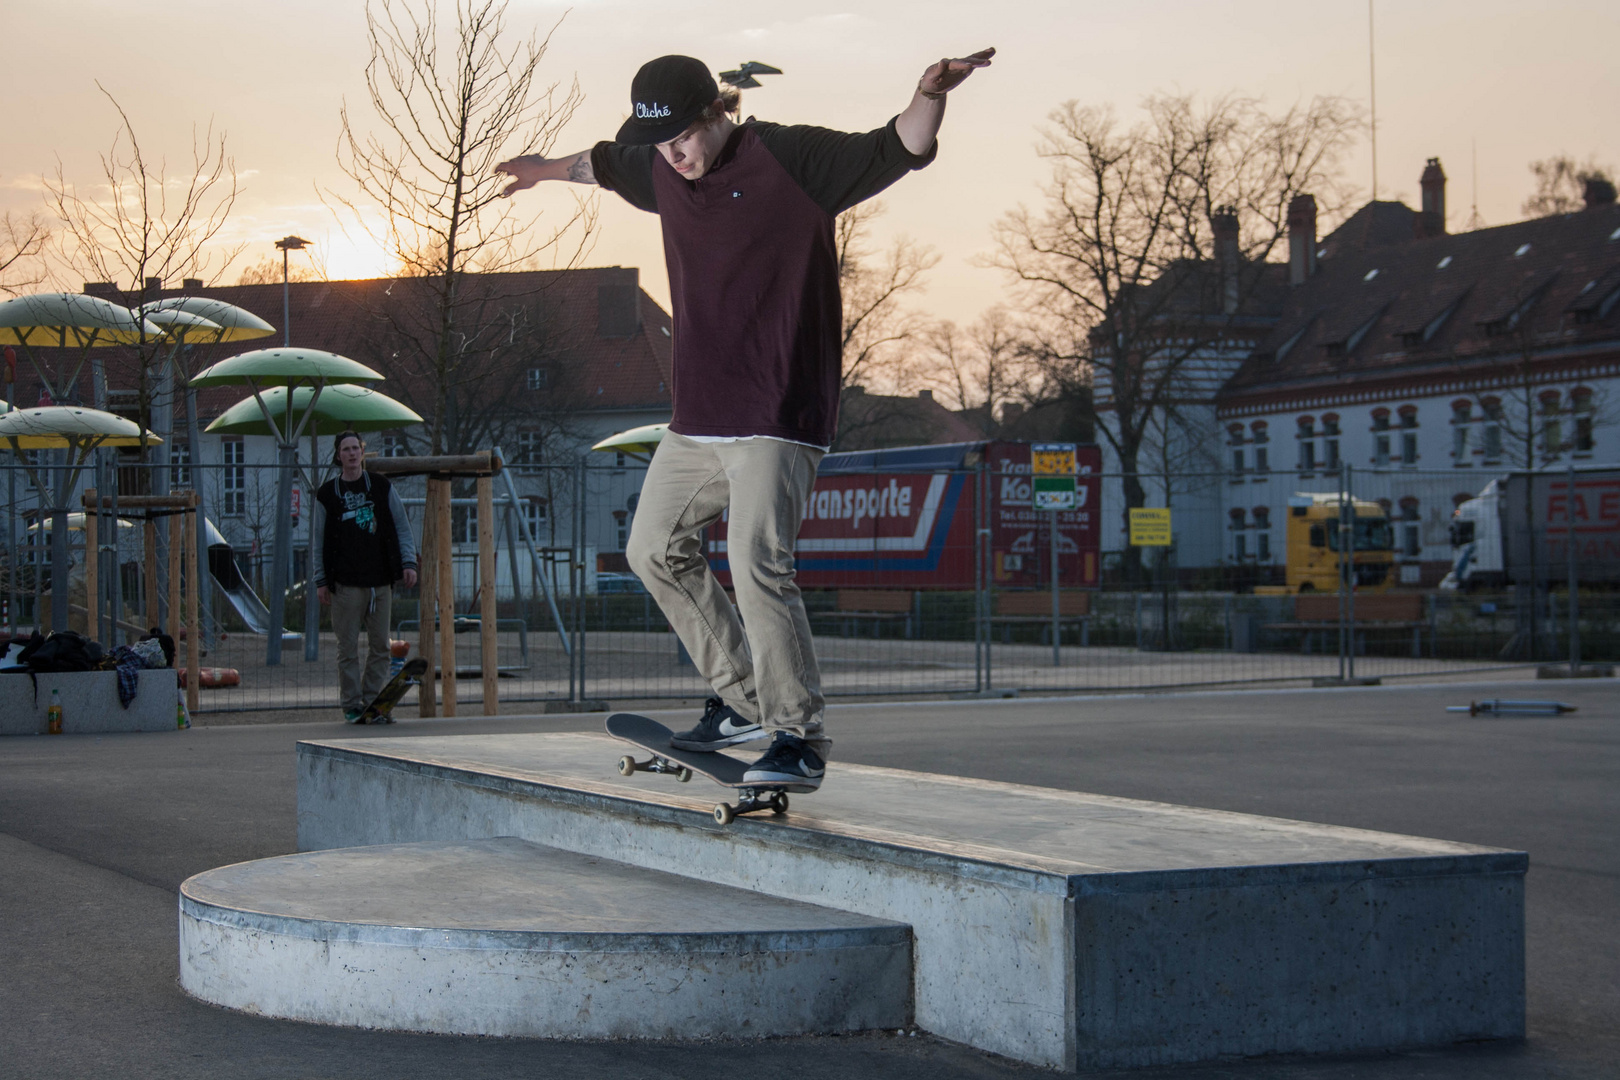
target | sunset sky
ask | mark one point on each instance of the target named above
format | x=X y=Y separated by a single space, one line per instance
x=1522 y=81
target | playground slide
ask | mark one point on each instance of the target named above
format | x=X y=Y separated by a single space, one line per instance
x=228 y=576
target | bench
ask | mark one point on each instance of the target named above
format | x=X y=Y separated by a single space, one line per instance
x=1035 y=608
x=1318 y=614
x=876 y=606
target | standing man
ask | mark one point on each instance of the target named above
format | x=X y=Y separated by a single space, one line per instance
x=363 y=544
x=747 y=212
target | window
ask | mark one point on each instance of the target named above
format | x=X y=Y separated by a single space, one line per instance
x=1380 y=450
x=1262 y=517
x=1234 y=435
x=1240 y=546
x=621 y=529
x=180 y=464
x=620 y=459
x=1409 y=416
x=1261 y=464
x=1330 y=423
x=1237 y=463
x=539 y=378
x=1307 y=456
x=234 y=487
x=1380 y=419
x=1552 y=431
x=1258 y=428
x=1581 y=404
x=1462 y=416
x=1262 y=546
x=1330 y=456
x=1411 y=529
x=529 y=444
x=1307 y=427
x=393 y=446
x=1491 y=432
x=535 y=513
x=1409 y=453
x=464 y=524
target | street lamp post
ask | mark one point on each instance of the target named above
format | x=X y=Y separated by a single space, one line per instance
x=287 y=459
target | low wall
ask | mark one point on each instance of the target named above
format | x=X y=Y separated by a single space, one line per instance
x=89 y=702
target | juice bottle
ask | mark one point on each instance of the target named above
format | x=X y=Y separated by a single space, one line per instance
x=53 y=715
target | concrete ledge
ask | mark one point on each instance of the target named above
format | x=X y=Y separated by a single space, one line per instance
x=505 y=937
x=90 y=702
x=1060 y=928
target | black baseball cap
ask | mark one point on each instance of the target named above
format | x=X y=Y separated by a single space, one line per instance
x=666 y=95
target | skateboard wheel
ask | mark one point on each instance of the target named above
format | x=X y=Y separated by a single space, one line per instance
x=684 y=775
x=779 y=803
x=724 y=814
x=627 y=766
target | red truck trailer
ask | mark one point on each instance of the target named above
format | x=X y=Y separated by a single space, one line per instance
x=904 y=518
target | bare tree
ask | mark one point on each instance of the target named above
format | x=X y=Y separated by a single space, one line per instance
x=1561 y=185
x=875 y=285
x=22 y=242
x=1118 y=268
x=147 y=227
x=979 y=371
x=450 y=103
x=268 y=270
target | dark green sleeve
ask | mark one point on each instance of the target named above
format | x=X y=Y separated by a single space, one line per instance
x=628 y=171
x=839 y=169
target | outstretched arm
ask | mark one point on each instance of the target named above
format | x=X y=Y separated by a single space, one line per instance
x=529 y=170
x=919 y=124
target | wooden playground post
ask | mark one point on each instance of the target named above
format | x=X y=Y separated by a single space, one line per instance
x=193 y=624
x=427 y=592
x=92 y=566
x=149 y=540
x=174 y=585
x=447 y=599
x=488 y=652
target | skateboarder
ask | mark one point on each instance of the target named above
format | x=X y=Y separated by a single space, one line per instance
x=747 y=212
x=362 y=545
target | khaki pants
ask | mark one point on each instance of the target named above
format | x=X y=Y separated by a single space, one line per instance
x=769 y=673
x=353 y=608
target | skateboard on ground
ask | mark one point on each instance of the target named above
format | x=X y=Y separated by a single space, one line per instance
x=378 y=712
x=723 y=769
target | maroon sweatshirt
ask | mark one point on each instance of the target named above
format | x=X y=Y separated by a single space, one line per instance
x=753 y=269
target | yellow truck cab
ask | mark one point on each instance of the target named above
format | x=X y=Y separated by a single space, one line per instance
x=1313 y=544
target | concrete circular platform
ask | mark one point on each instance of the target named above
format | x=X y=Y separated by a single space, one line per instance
x=506 y=937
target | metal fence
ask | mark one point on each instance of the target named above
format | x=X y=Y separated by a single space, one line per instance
x=574 y=625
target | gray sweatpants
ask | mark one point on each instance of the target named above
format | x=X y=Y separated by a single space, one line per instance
x=354 y=608
x=768 y=673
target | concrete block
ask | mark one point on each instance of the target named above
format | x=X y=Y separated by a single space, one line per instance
x=1059 y=928
x=506 y=937
x=90 y=702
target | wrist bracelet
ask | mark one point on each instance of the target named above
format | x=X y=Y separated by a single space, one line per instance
x=926 y=94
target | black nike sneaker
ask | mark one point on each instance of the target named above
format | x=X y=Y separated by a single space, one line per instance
x=721 y=726
x=789 y=763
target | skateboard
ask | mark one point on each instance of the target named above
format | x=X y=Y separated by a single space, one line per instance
x=378 y=712
x=723 y=769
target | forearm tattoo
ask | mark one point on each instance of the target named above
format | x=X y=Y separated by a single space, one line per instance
x=580 y=171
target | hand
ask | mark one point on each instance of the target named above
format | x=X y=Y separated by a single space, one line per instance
x=408 y=579
x=948 y=74
x=324 y=594
x=525 y=170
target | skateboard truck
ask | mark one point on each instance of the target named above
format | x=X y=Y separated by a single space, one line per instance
x=629 y=766
x=752 y=801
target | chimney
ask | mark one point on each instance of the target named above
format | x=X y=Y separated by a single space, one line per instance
x=925 y=395
x=1223 y=222
x=1301 y=238
x=1431 y=220
x=1599 y=192
x=618 y=303
x=191 y=284
x=154 y=284
x=107 y=290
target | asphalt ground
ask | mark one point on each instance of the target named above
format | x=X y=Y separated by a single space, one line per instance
x=97 y=832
